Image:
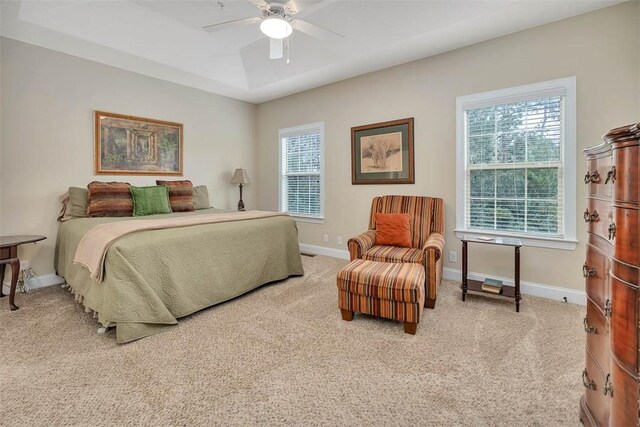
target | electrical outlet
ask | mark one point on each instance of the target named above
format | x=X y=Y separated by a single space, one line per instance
x=24 y=265
x=339 y=240
x=325 y=238
x=453 y=256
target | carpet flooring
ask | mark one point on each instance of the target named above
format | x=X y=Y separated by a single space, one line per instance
x=281 y=355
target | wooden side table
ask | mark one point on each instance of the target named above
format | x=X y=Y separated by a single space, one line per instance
x=476 y=285
x=9 y=255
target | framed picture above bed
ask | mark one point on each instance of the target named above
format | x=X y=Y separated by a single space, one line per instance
x=128 y=145
x=382 y=153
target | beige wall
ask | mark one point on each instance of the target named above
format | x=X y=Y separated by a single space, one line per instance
x=600 y=48
x=48 y=100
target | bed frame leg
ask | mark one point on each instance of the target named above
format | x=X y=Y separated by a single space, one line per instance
x=102 y=330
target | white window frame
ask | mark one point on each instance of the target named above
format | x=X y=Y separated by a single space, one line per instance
x=565 y=87
x=293 y=131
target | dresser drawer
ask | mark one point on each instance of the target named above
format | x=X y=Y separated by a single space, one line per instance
x=625 y=186
x=596 y=176
x=597 y=401
x=596 y=270
x=597 y=330
x=624 y=402
x=624 y=321
x=625 y=272
x=598 y=216
x=600 y=243
x=625 y=241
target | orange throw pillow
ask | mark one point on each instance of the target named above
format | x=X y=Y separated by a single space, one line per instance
x=393 y=230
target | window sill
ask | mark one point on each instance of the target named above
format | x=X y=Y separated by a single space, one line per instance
x=527 y=240
x=309 y=219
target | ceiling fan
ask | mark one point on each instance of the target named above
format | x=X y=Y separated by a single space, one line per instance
x=278 y=20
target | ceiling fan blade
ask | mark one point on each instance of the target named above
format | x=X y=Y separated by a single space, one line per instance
x=260 y=4
x=315 y=31
x=231 y=24
x=313 y=8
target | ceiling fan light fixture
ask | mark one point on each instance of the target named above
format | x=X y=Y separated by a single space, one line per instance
x=276 y=27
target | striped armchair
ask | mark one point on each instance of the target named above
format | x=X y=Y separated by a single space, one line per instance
x=427 y=238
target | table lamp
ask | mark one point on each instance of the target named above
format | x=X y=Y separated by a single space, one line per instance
x=241 y=178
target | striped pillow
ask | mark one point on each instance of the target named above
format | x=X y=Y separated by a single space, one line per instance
x=109 y=199
x=180 y=195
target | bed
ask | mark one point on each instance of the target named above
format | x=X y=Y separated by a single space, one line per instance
x=154 y=277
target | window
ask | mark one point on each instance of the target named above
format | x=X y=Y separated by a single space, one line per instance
x=301 y=166
x=516 y=164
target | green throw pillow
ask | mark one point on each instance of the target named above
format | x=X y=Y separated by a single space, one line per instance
x=150 y=200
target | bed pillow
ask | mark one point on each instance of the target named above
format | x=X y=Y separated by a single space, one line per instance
x=393 y=230
x=180 y=195
x=150 y=200
x=78 y=199
x=64 y=214
x=109 y=199
x=201 y=197
x=74 y=204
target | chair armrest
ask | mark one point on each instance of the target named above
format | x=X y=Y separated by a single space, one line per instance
x=432 y=260
x=435 y=242
x=361 y=243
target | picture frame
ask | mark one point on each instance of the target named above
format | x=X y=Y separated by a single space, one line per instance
x=382 y=153
x=130 y=145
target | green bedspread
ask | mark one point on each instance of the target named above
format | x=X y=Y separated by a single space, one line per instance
x=154 y=277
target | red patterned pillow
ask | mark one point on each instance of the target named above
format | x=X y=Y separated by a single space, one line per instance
x=109 y=199
x=180 y=195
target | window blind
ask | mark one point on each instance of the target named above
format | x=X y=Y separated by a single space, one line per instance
x=514 y=166
x=301 y=172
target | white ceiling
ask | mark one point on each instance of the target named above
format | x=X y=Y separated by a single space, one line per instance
x=165 y=39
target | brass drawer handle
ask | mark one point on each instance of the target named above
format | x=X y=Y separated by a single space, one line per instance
x=589 y=329
x=592 y=177
x=611 y=175
x=612 y=230
x=588 y=385
x=607 y=309
x=588 y=272
x=591 y=216
x=608 y=387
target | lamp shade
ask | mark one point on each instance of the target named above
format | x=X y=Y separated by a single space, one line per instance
x=240 y=177
x=276 y=27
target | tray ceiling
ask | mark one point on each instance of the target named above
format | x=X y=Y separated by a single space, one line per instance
x=165 y=39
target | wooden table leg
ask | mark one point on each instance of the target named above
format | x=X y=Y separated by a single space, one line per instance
x=464 y=270
x=2 y=267
x=15 y=270
x=14 y=263
x=517 y=280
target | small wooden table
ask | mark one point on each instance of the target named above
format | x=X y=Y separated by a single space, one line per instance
x=476 y=285
x=9 y=255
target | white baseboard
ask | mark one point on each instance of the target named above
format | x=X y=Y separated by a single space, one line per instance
x=321 y=250
x=528 y=288
x=37 y=282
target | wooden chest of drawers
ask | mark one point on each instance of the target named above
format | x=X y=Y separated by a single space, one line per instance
x=612 y=275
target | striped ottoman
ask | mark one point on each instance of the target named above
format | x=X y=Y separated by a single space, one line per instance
x=391 y=290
